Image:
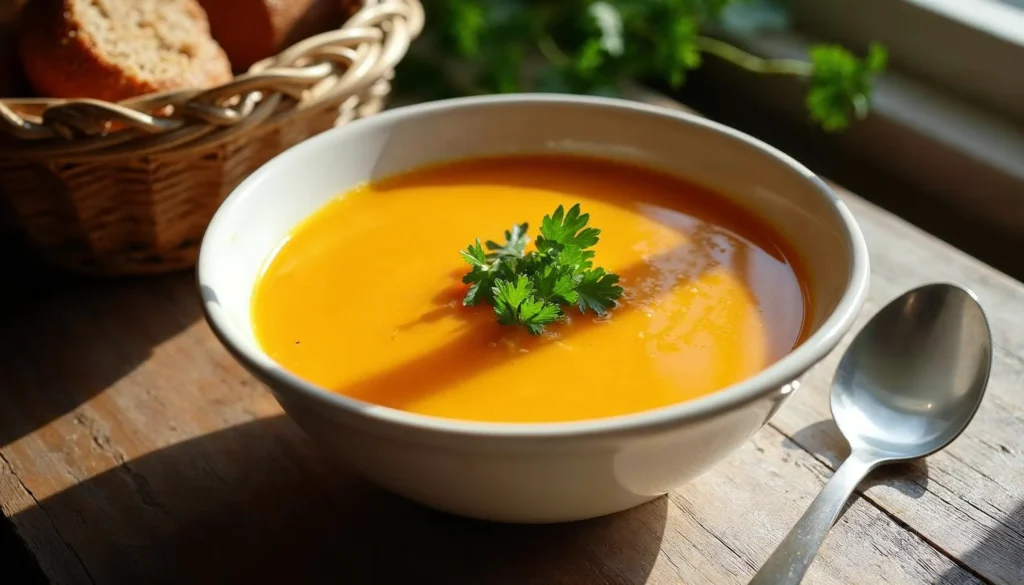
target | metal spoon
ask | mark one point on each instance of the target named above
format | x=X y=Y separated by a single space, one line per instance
x=908 y=385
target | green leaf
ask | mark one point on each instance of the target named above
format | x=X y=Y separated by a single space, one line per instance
x=678 y=52
x=515 y=243
x=481 y=283
x=475 y=255
x=564 y=290
x=467 y=25
x=598 y=291
x=531 y=289
x=590 y=57
x=567 y=229
x=841 y=84
x=514 y=304
x=557 y=283
x=535 y=314
x=576 y=258
x=512 y=293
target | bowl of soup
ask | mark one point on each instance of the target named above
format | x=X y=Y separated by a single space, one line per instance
x=335 y=275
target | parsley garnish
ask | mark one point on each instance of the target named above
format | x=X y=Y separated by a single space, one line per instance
x=532 y=289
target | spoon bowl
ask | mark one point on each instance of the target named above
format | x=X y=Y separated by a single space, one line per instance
x=907 y=386
x=914 y=377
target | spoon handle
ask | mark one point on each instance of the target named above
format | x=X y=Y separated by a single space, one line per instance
x=796 y=552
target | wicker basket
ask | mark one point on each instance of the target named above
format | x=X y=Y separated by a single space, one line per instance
x=129 y=188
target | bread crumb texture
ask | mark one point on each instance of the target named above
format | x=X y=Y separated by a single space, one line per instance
x=118 y=49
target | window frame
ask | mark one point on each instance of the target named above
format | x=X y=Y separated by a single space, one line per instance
x=934 y=149
x=971 y=48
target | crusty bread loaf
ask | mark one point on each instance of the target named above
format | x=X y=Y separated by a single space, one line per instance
x=252 y=30
x=117 y=49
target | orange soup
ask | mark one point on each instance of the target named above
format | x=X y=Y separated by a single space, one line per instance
x=364 y=297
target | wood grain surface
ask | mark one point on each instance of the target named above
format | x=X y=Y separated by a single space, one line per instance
x=133 y=449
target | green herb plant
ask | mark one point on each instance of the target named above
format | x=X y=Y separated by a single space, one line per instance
x=592 y=46
x=533 y=289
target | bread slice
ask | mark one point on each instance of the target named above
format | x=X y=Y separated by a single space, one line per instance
x=118 y=49
x=252 y=30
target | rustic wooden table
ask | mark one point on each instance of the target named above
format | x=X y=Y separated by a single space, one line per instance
x=133 y=449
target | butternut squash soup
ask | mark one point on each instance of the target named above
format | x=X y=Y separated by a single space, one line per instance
x=365 y=297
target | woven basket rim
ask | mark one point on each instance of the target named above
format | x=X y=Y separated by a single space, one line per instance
x=322 y=71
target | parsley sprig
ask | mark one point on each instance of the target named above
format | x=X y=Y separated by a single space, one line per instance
x=532 y=289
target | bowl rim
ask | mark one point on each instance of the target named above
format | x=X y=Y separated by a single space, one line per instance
x=767 y=382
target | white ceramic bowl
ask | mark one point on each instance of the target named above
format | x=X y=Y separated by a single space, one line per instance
x=533 y=472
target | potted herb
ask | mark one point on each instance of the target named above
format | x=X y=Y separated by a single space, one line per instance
x=593 y=46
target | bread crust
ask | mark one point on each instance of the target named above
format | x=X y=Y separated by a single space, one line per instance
x=252 y=30
x=62 y=59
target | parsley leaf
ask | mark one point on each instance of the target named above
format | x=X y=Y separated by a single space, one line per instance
x=515 y=304
x=566 y=229
x=841 y=84
x=575 y=257
x=535 y=314
x=481 y=277
x=557 y=283
x=509 y=296
x=515 y=242
x=598 y=291
x=531 y=289
x=481 y=283
x=475 y=255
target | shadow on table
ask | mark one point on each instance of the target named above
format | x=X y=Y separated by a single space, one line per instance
x=18 y=565
x=64 y=338
x=823 y=439
x=996 y=557
x=256 y=503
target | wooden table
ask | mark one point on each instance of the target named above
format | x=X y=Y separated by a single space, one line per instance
x=133 y=449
